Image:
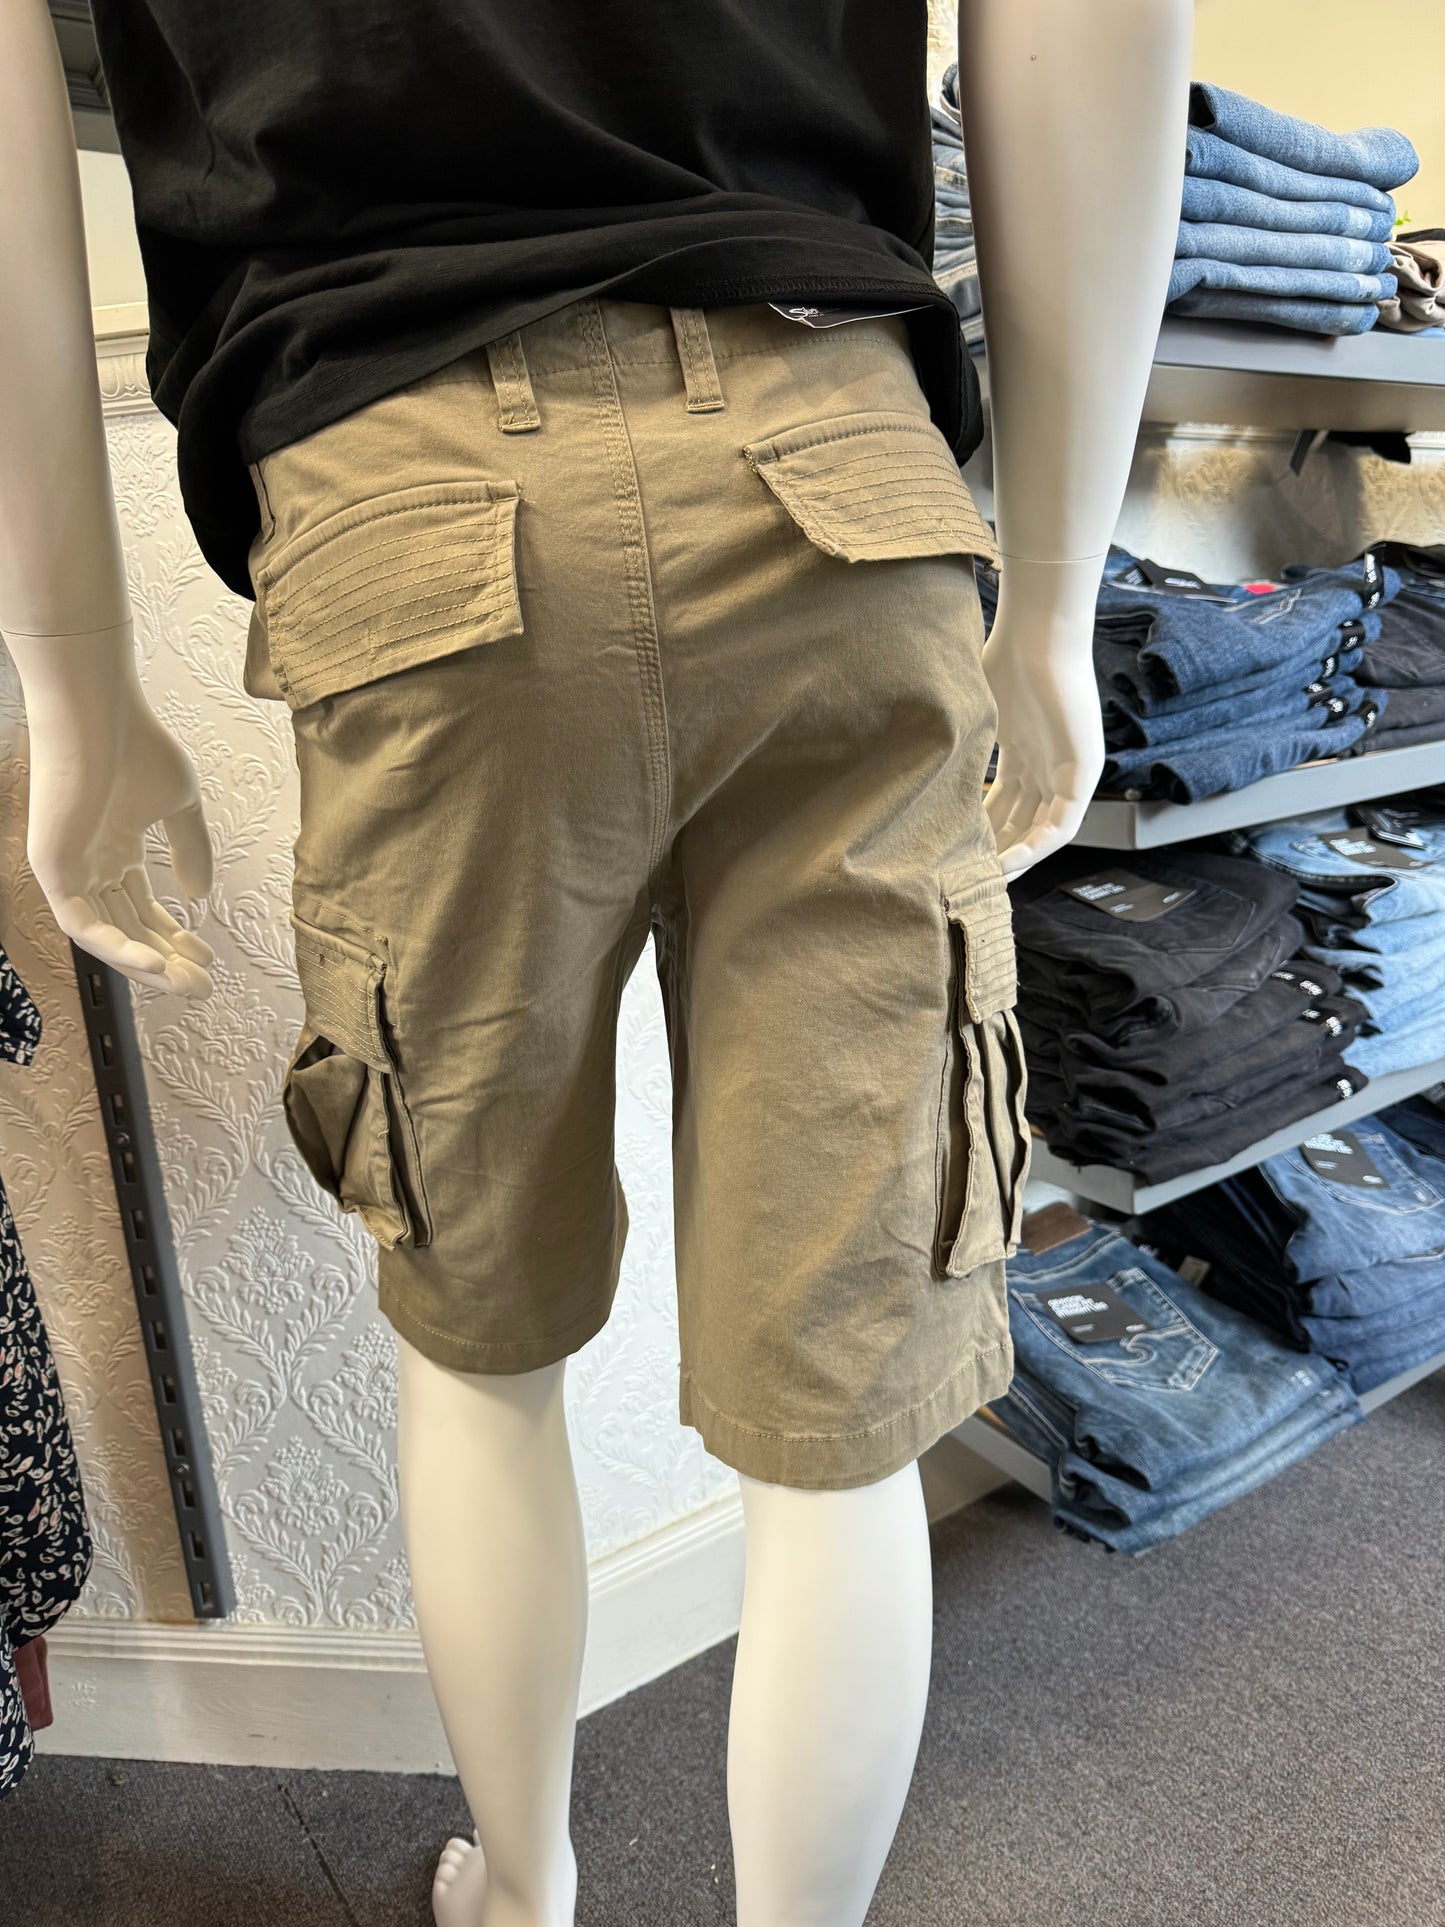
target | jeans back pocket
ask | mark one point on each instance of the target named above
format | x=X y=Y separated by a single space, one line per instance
x=1173 y=1357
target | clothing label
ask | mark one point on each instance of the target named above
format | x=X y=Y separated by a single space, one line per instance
x=1175 y=581
x=810 y=317
x=1052 y=1224
x=1262 y=588
x=1305 y=985
x=1374 y=577
x=1387 y=825
x=1118 y=893
x=1340 y=1156
x=1094 y=1314
x=1377 y=856
x=1194 y=1271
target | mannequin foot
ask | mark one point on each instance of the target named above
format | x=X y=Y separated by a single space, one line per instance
x=459 y=1884
x=459 y=1892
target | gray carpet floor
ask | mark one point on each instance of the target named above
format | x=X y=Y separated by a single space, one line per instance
x=1245 y=1728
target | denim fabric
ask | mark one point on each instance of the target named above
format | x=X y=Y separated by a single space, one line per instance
x=1282 y=282
x=1405 y=736
x=1403 y=1043
x=1279 y=311
x=1378 y=155
x=1196 y=643
x=1148 y=1434
x=1409 y=652
x=955 y=268
x=1206 y=200
x=1370 y=1349
x=1421 y=1119
x=1265 y=700
x=1376 y=896
x=1230 y=759
x=1118 y=640
x=1209 y=241
x=1420 y=707
x=1211 y=158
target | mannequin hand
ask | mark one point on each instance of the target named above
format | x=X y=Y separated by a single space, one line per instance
x=1050 y=733
x=103 y=768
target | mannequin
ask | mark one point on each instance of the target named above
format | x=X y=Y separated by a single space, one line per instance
x=1073 y=112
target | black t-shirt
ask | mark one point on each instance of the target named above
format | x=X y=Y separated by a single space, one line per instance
x=335 y=197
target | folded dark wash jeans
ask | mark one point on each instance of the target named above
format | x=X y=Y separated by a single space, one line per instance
x=1421 y=1120
x=1221 y=760
x=1198 y=642
x=1327 y=685
x=1383 y=737
x=1304 y=314
x=1381 y=156
x=1211 y=157
x=1158 y=1156
x=1209 y=200
x=1117 y=963
x=1151 y=1430
x=1418 y=707
x=1409 y=651
x=1126 y=681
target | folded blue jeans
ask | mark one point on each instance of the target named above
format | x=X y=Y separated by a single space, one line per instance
x=1279 y=311
x=1207 y=200
x=1212 y=158
x=1269 y=700
x=1281 y=281
x=1231 y=759
x=1374 y=894
x=1211 y=241
x=1194 y=643
x=1378 y=155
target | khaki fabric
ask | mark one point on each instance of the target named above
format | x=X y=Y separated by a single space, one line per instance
x=654 y=622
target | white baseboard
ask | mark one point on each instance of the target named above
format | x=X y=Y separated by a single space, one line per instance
x=237 y=1695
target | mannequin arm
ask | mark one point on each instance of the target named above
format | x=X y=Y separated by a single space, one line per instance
x=1073 y=116
x=102 y=767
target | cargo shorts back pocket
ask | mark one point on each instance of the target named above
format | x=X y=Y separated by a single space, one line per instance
x=873 y=486
x=389 y=583
x=342 y=1095
x=983 y=1137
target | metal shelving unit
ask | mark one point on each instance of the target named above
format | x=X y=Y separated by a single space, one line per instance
x=1272 y=378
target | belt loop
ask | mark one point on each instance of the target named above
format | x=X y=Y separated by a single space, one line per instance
x=516 y=402
x=699 y=370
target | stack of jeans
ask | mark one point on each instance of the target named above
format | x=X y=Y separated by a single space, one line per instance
x=954 y=266
x=1372 y=898
x=1147 y=1434
x=1211 y=686
x=1338 y=1246
x=1285 y=222
x=1168 y=1019
x=1407 y=659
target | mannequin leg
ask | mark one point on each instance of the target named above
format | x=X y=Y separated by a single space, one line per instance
x=499 y=1570
x=828 y=1695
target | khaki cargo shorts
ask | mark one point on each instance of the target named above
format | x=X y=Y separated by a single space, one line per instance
x=651 y=620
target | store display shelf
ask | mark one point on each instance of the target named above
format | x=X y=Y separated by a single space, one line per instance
x=1114 y=823
x=982 y=1433
x=1124 y=1191
x=1233 y=371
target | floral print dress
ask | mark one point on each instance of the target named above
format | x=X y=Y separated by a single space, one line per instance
x=45 y=1548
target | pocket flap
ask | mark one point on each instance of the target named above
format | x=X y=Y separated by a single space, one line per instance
x=388 y=583
x=340 y=981
x=873 y=486
x=984 y=917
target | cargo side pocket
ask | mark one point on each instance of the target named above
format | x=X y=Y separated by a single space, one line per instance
x=389 y=583
x=983 y=1137
x=342 y=1094
x=873 y=486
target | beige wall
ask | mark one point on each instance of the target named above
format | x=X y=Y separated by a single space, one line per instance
x=1344 y=63
x=111 y=247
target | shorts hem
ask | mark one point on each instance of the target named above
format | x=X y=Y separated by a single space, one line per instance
x=487 y=1355
x=832 y=1462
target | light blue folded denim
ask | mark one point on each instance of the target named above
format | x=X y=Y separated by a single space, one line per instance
x=1208 y=200
x=1214 y=159
x=1402 y=1045
x=1310 y=284
x=1268 y=247
x=1378 y=155
x=954 y=266
x=1334 y=859
x=1279 y=311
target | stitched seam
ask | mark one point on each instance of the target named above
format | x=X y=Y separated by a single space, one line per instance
x=867 y=1431
x=425 y=495
x=487 y=1344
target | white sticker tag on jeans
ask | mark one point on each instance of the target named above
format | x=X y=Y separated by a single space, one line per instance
x=810 y=317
